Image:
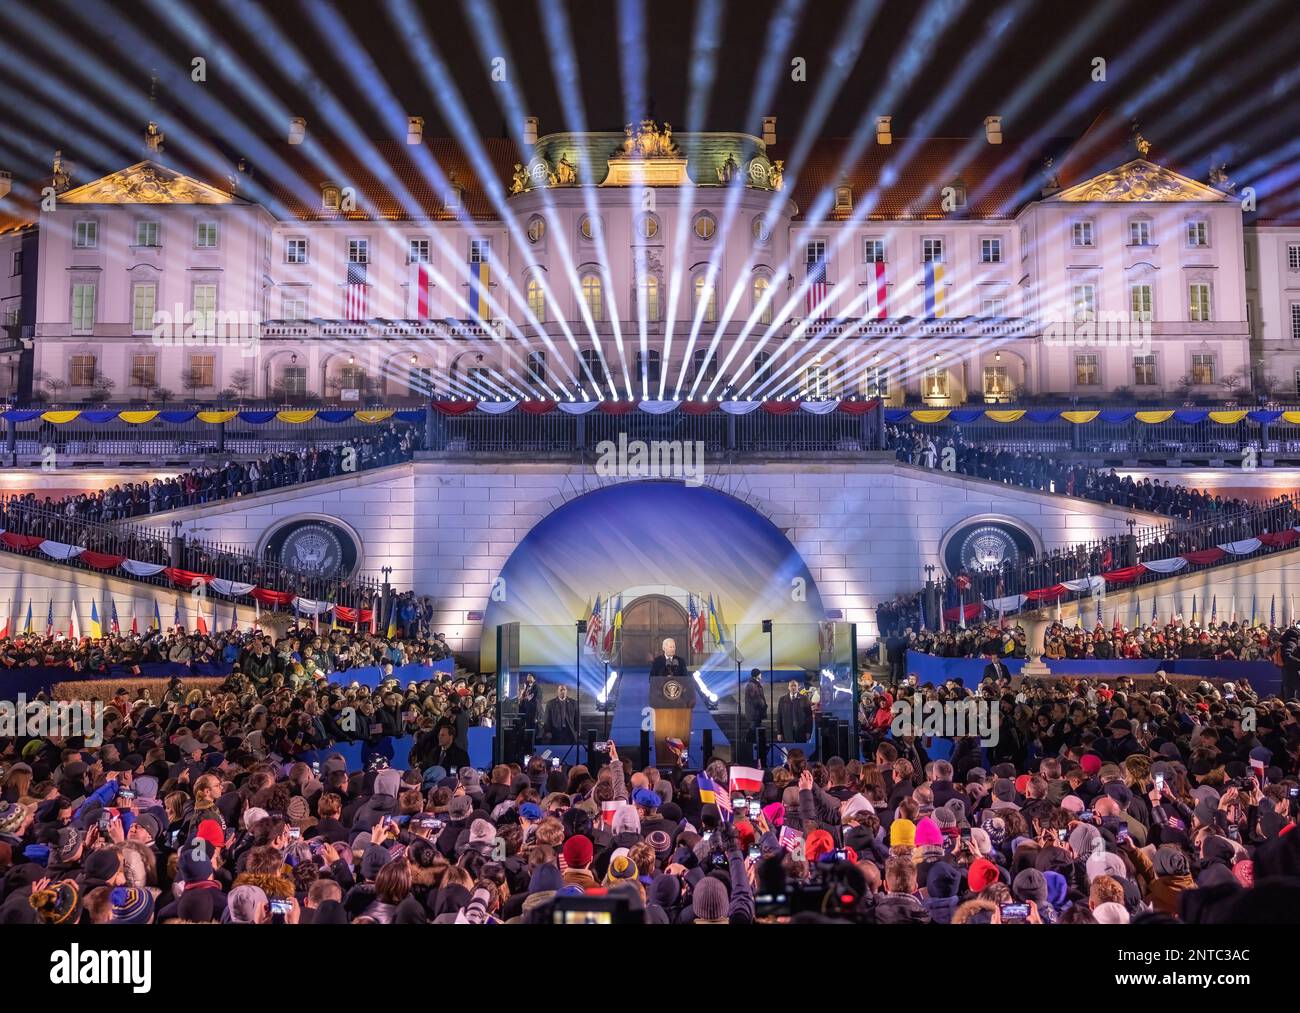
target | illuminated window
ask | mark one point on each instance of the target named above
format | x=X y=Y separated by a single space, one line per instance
x=352 y=377
x=705 y=226
x=83 y=306
x=990 y=251
x=1198 y=233
x=934 y=384
x=480 y=251
x=1140 y=303
x=147 y=234
x=706 y=299
x=843 y=198
x=329 y=198
x=876 y=382
x=1293 y=256
x=1144 y=370
x=1295 y=321
x=144 y=370
x=996 y=384
x=873 y=251
x=295 y=251
x=764 y=309
x=647 y=226
x=358 y=251
x=593 y=296
x=81 y=370
x=1085 y=303
x=86 y=235
x=761 y=232
x=648 y=296
x=1086 y=370
x=817 y=382
x=536 y=299
x=144 y=301
x=1198 y=302
x=586 y=228
x=1202 y=369
x=536 y=228
x=205 y=235
x=202 y=373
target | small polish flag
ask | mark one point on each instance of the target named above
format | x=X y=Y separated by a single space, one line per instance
x=746 y=779
x=608 y=809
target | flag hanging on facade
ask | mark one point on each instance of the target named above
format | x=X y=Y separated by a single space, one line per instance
x=200 y=620
x=356 y=293
x=1233 y=614
x=594 y=626
x=934 y=290
x=49 y=619
x=878 y=289
x=715 y=624
x=1193 y=619
x=27 y=626
x=1252 y=610
x=816 y=293
x=1214 y=610
x=923 y=626
x=4 y=626
x=135 y=628
x=176 y=615
x=74 y=623
x=157 y=616
x=113 y=625
x=480 y=280
x=391 y=628
x=96 y=630
x=421 y=291
x=1155 y=616
x=1272 y=612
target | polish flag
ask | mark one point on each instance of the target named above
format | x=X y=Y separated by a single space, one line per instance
x=4 y=630
x=877 y=291
x=420 y=294
x=746 y=779
x=608 y=809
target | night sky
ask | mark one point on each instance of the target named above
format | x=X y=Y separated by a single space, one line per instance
x=1207 y=79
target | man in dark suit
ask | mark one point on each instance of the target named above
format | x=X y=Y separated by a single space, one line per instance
x=755 y=709
x=996 y=670
x=668 y=663
x=794 y=717
x=561 y=722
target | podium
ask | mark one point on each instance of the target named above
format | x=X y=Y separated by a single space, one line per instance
x=672 y=703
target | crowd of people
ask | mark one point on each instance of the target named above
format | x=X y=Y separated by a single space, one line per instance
x=925 y=447
x=1096 y=803
x=389 y=445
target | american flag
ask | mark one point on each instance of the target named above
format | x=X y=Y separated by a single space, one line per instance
x=790 y=838
x=816 y=288
x=719 y=797
x=355 y=296
x=696 y=627
x=594 y=626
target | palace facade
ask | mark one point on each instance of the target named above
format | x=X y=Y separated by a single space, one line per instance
x=645 y=263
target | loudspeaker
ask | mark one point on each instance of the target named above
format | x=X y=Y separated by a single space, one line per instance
x=708 y=746
x=645 y=747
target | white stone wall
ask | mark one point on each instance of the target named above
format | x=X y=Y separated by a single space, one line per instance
x=865 y=528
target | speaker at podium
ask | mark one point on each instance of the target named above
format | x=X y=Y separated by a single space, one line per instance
x=672 y=703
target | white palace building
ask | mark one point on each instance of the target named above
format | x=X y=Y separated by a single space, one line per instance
x=644 y=263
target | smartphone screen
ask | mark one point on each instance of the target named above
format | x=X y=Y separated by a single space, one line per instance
x=1015 y=912
x=756 y=807
x=1160 y=782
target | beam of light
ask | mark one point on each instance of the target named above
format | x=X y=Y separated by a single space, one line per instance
x=491 y=43
x=772 y=65
x=608 y=688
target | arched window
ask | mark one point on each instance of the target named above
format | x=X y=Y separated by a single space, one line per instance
x=537 y=366
x=536 y=298
x=764 y=310
x=647 y=367
x=590 y=369
x=706 y=296
x=593 y=295
x=648 y=295
x=706 y=365
x=817 y=382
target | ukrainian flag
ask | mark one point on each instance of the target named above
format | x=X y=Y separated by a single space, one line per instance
x=392 y=618
x=96 y=630
x=480 y=280
x=157 y=617
x=27 y=626
x=934 y=292
x=715 y=627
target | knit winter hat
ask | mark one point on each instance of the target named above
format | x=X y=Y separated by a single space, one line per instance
x=130 y=905
x=578 y=851
x=1107 y=863
x=902 y=833
x=710 y=899
x=482 y=832
x=981 y=873
x=12 y=815
x=927 y=833
x=621 y=868
x=1111 y=913
x=58 y=904
x=980 y=838
x=818 y=843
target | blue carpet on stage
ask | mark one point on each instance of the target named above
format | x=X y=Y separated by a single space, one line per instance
x=632 y=703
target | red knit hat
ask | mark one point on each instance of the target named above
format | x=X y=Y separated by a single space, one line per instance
x=210 y=831
x=577 y=851
x=1091 y=763
x=817 y=844
x=982 y=873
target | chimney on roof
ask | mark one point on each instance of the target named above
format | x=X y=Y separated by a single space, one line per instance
x=993 y=129
x=769 y=130
x=6 y=182
x=530 y=129
x=297 y=130
x=414 y=129
x=884 y=134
